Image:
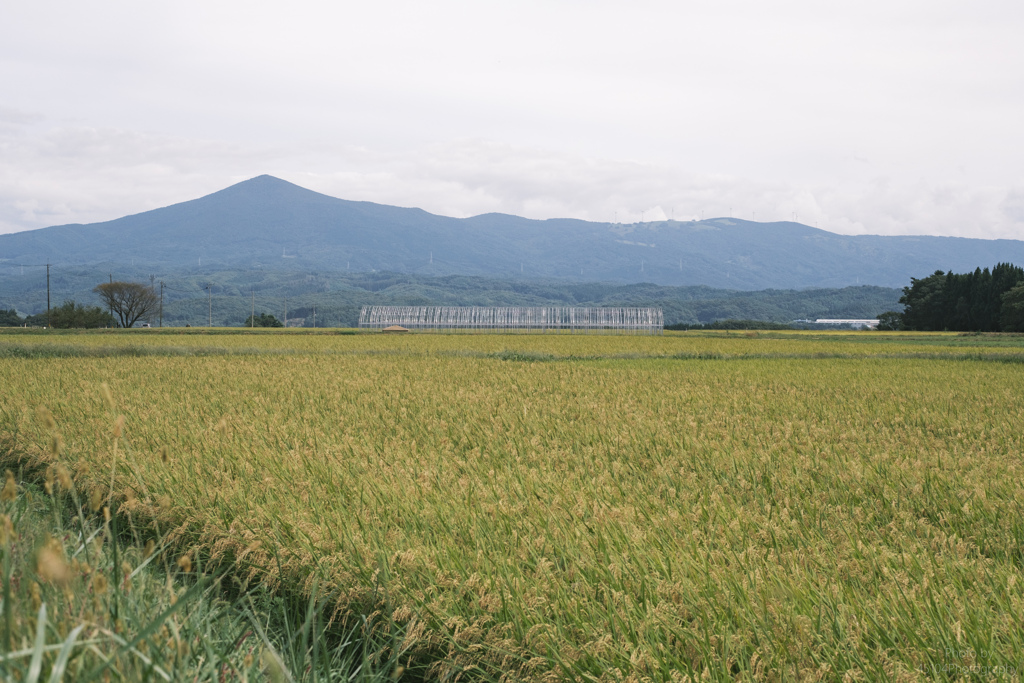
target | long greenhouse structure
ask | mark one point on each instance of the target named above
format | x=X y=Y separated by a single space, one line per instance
x=571 y=319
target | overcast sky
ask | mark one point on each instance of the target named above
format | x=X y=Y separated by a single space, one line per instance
x=882 y=117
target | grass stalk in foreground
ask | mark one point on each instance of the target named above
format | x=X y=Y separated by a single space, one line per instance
x=132 y=612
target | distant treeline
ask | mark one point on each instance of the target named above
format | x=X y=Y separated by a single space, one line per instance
x=69 y=315
x=982 y=301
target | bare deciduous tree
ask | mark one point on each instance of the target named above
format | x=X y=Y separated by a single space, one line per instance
x=130 y=301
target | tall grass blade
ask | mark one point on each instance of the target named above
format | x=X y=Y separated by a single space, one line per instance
x=35 y=667
x=150 y=629
x=61 y=663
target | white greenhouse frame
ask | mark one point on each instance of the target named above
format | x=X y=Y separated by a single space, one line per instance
x=535 y=319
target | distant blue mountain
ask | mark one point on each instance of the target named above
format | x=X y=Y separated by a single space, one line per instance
x=272 y=224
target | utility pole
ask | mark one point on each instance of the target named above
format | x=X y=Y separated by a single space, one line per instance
x=112 y=303
x=48 y=296
x=314 y=316
x=209 y=288
x=252 y=318
x=161 y=303
x=286 y=312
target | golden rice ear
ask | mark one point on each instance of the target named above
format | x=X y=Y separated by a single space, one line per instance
x=45 y=417
x=108 y=397
x=10 y=489
x=64 y=478
x=6 y=530
x=95 y=499
x=51 y=565
x=119 y=426
x=34 y=593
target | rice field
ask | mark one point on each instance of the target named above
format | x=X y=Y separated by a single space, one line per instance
x=710 y=344
x=706 y=506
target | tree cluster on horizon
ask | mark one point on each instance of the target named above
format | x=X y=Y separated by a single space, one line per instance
x=263 y=320
x=980 y=301
x=69 y=315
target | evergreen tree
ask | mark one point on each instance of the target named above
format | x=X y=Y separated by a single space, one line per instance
x=961 y=301
x=924 y=302
x=1011 y=317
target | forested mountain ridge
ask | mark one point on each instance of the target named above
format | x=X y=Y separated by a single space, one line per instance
x=270 y=224
x=338 y=296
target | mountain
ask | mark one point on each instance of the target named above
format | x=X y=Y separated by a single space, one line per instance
x=267 y=223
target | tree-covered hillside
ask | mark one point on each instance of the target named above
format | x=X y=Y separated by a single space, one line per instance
x=337 y=297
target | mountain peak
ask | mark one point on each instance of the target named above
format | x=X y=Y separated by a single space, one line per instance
x=262 y=189
x=263 y=182
x=265 y=222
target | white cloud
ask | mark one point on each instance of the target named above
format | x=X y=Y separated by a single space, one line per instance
x=85 y=175
x=896 y=117
x=10 y=116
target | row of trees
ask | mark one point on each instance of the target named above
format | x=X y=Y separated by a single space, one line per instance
x=127 y=303
x=982 y=301
x=66 y=316
x=132 y=302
